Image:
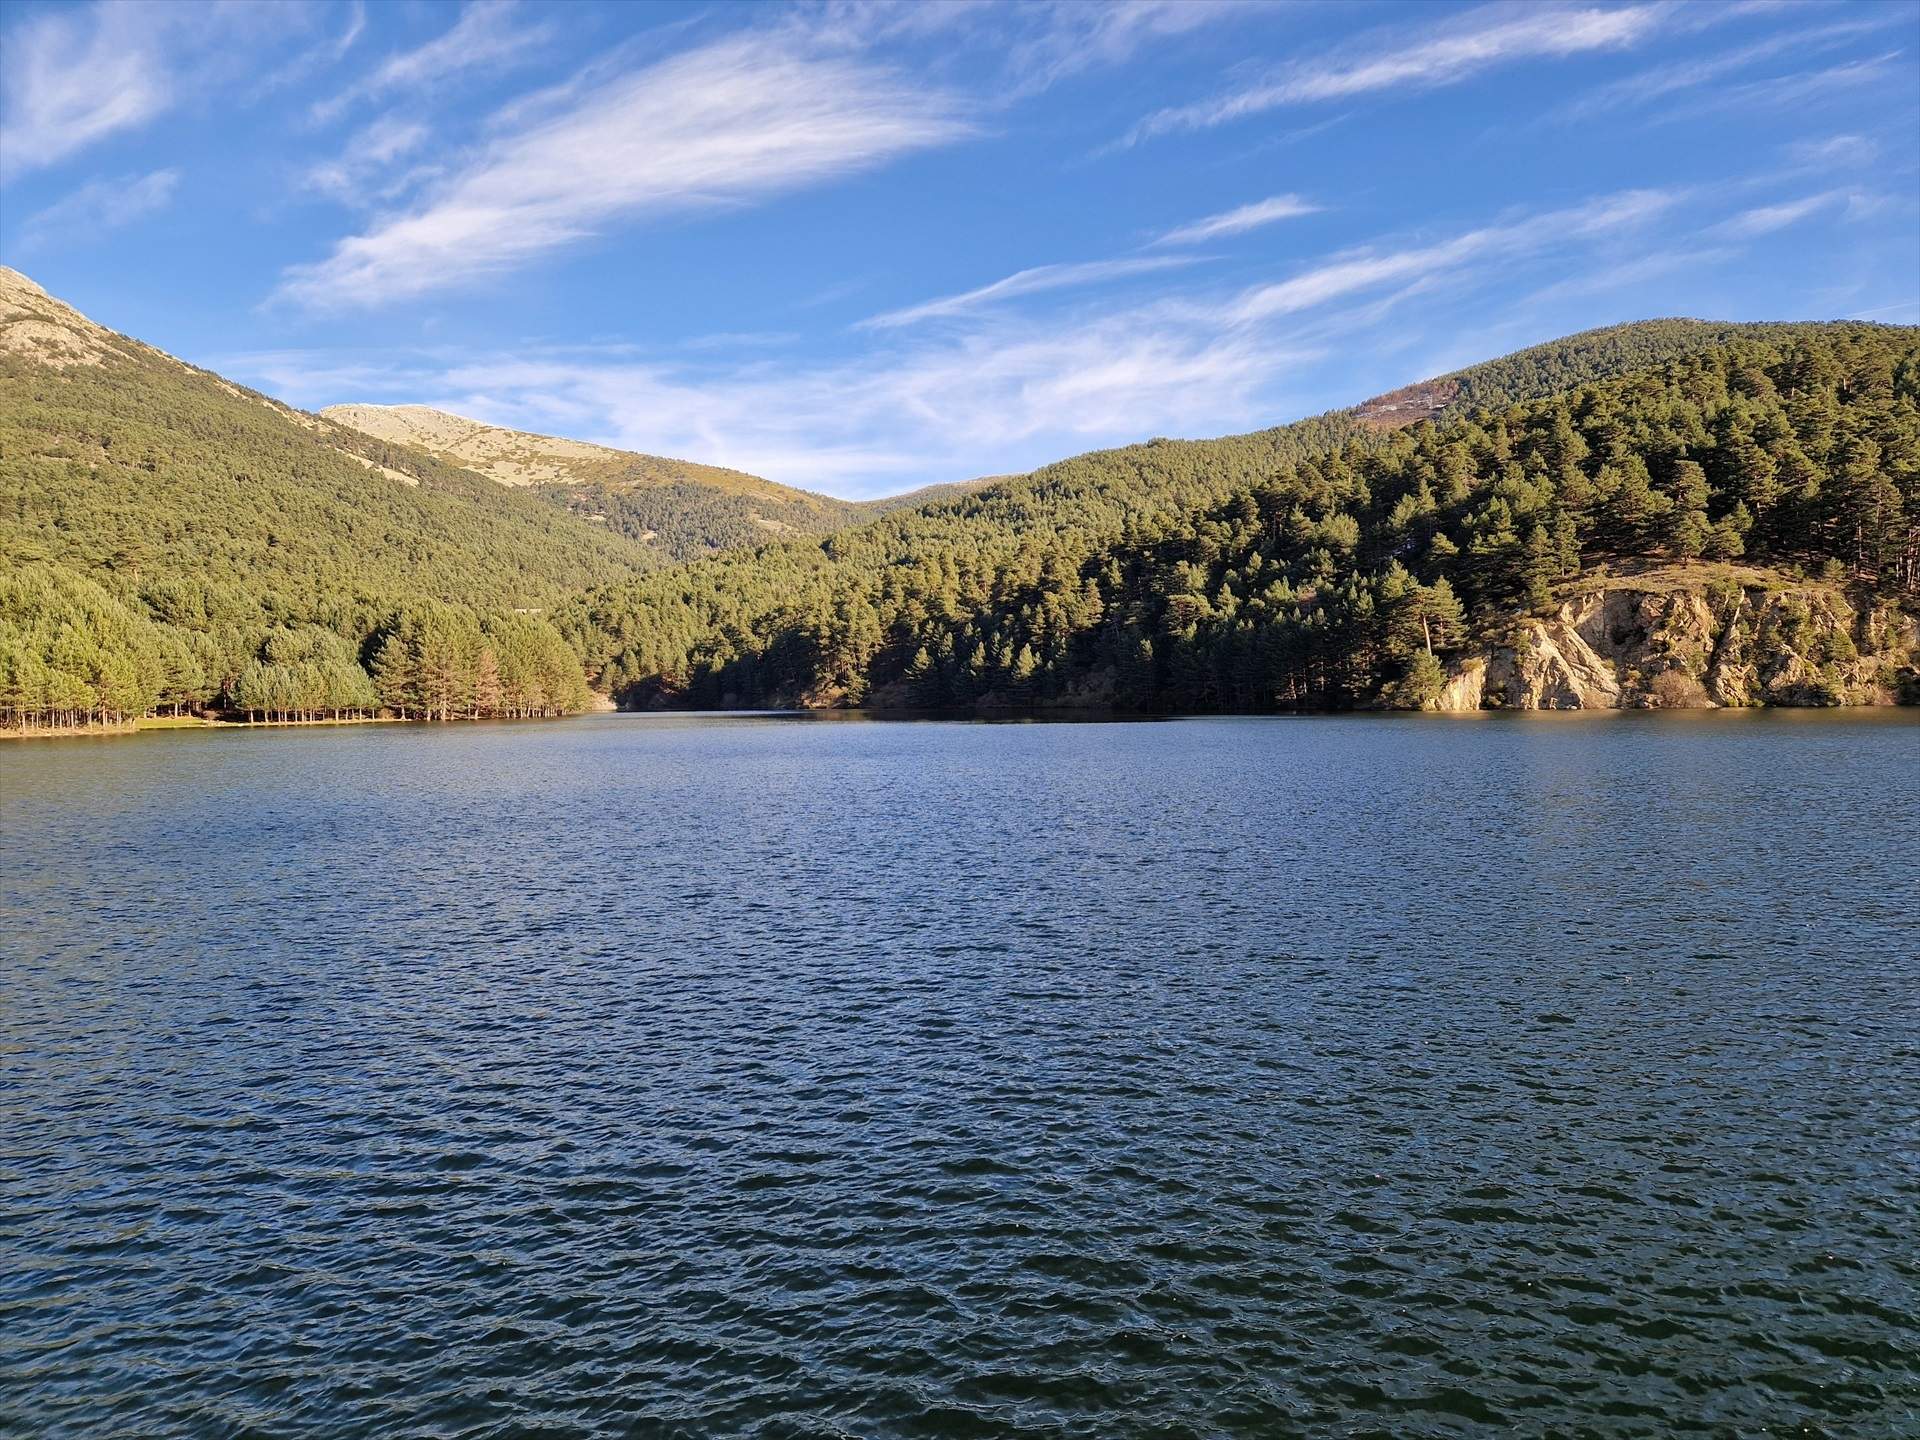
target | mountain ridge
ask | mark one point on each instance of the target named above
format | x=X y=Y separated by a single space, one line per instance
x=655 y=499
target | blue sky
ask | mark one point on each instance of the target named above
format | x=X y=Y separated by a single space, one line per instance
x=865 y=247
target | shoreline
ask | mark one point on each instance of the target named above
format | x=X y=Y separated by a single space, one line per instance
x=988 y=715
x=158 y=723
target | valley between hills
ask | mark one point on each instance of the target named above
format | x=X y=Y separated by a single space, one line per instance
x=1666 y=514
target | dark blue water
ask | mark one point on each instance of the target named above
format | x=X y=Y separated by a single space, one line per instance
x=691 y=1077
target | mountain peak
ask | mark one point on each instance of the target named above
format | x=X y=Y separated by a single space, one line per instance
x=38 y=327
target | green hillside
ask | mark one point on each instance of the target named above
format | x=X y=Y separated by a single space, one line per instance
x=132 y=461
x=1025 y=564
x=137 y=491
x=1355 y=578
x=174 y=541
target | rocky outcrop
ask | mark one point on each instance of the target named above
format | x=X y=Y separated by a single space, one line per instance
x=1685 y=640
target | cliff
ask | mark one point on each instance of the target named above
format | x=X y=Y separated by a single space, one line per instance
x=1693 y=637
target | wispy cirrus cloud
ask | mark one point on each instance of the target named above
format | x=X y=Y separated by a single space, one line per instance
x=358 y=175
x=1638 y=271
x=1070 y=36
x=1239 y=221
x=314 y=58
x=1800 y=88
x=1003 y=387
x=72 y=78
x=490 y=34
x=1365 y=270
x=1031 y=281
x=1850 y=151
x=1481 y=40
x=1765 y=219
x=934 y=409
x=1036 y=43
x=76 y=77
x=1678 y=77
x=724 y=124
x=98 y=207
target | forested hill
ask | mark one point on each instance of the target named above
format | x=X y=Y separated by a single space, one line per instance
x=117 y=457
x=680 y=508
x=165 y=534
x=171 y=540
x=994 y=594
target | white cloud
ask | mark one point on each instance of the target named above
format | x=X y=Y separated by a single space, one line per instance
x=1801 y=89
x=356 y=26
x=725 y=124
x=1899 y=308
x=1637 y=271
x=98 y=207
x=999 y=389
x=1008 y=395
x=1482 y=40
x=1038 y=43
x=1070 y=36
x=314 y=59
x=1024 y=282
x=1236 y=222
x=1765 y=219
x=487 y=35
x=1669 y=79
x=1834 y=151
x=1361 y=271
x=355 y=177
x=72 y=78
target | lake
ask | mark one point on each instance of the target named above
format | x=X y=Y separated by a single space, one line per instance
x=760 y=1076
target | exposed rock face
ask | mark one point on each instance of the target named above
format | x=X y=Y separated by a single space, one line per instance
x=1407 y=405
x=1667 y=643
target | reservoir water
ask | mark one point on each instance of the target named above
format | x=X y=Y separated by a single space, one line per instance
x=734 y=1076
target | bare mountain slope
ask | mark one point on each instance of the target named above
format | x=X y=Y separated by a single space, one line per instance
x=518 y=457
x=679 y=507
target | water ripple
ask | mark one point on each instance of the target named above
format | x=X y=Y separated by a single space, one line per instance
x=702 y=1078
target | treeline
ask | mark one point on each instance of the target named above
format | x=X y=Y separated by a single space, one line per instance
x=75 y=652
x=662 y=638
x=442 y=662
x=172 y=542
x=1580 y=359
x=1332 y=569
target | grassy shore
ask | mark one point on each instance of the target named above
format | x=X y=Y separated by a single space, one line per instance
x=187 y=722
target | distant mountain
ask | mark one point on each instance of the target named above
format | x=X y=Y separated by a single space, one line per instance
x=680 y=508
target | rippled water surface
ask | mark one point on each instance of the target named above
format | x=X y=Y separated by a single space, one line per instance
x=722 y=1077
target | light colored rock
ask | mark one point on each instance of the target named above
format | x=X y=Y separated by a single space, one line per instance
x=1758 y=640
x=1466 y=686
x=34 y=324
